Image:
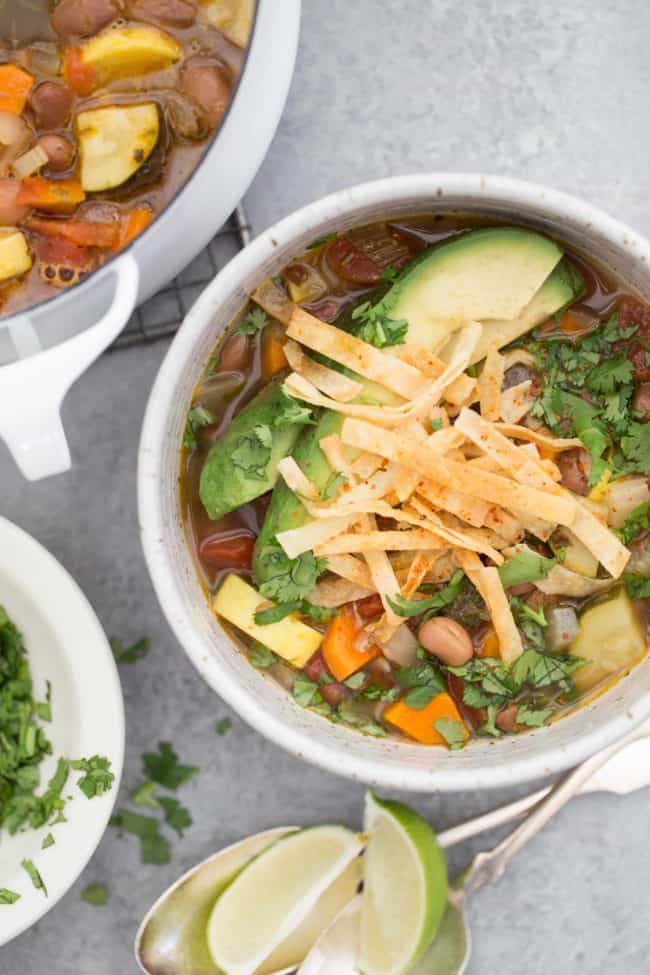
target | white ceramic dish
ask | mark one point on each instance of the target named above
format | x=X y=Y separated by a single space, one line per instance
x=263 y=704
x=67 y=646
x=44 y=350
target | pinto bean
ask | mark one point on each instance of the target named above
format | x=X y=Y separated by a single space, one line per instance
x=641 y=400
x=234 y=354
x=170 y=13
x=51 y=102
x=81 y=18
x=207 y=83
x=507 y=719
x=575 y=467
x=60 y=151
x=334 y=693
x=447 y=640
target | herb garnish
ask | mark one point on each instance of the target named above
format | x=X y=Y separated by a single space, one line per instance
x=320 y=614
x=261 y=657
x=176 y=814
x=253 y=322
x=524 y=567
x=252 y=452
x=423 y=683
x=638 y=587
x=163 y=767
x=374 y=325
x=97 y=778
x=8 y=896
x=95 y=894
x=197 y=418
x=30 y=869
x=453 y=732
x=223 y=726
x=431 y=606
x=292 y=411
x=289 y=579
x=154 y=848
x=129 y=655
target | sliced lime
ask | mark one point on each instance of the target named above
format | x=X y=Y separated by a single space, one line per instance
x=405 y=888
x=275 y=893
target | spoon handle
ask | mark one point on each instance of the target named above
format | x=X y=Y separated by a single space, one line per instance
x=487 y=867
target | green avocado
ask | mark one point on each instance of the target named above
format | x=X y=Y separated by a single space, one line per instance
x=491 y=273
x=243 y=463
x=286 y=510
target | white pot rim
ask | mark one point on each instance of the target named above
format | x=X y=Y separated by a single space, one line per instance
x=505 y=762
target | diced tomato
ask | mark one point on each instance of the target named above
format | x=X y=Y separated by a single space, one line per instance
x=234 y=549
x=85 y=233
x=57 y=195
x=350 y=263
x=78 y=75
x=15 y=86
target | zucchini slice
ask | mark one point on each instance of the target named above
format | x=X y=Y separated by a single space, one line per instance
x=121 y=53
x=115 y=142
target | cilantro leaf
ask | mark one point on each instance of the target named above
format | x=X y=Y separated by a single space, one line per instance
x=543 y=669
x=154 y=848
x=322 y=240
x=604 y=377
x=320 y=614
x=292 y=411
x=129 y=655
x=305 y=692
x=422 y=684
x=638 y=587
x=30 y=869
x=288 y=579
x=197 y=417
x=416 y=607
x=635 y=446
x=145 y=795
x=95 y=894
x=356 y=681
x=453 y=731
x=98 y=777
x=48 y=841
x=163 y=767
x=533 y=717
x=8 y=896
x=223 y=726
x=635 y=523
x=253 y=322
x=348 y=711
x=176 y=814
x=524 y=567
x=261 y=657
x=252 y=452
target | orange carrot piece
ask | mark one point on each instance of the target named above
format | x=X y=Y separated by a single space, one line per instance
x=15 y=86
x=85 y=233
x=55 y=195
x=421 y=725
x=76 y=73
x=489 y=644
x=339 y=647
x=273 y=358
x=132 y=225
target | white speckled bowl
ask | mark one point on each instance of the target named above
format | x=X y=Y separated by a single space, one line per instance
x=266 y=706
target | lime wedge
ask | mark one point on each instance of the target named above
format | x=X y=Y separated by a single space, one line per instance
x=405 y=888
x=274 y=894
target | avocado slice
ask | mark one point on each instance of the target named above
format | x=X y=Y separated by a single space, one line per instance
x=562 y=287
x=483 y=274
x=243 y=463
x=286 y=510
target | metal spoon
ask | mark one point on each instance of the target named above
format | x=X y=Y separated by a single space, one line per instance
x=24 y=21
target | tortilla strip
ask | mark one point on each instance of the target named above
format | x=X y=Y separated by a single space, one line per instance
x=274 y=301
x=360 y=356
x=517 y=401
x=486 y=580
x=366 y=465
x=352 y=569
x=490 y=487
x=422 y=358
x=333 y=450
x=295 y=541
x=380 y=541
x=462 y=537
x=382 y=574
x=332 y=383
x=297 y=480
x=603 y=543
x=332 y=593
x=405 y=483
x=489 y=385
x=421 y=564
x=472 y=510
x=517 y=432
x=514 y=356
x=462 y=391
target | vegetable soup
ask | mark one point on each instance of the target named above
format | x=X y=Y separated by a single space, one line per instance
x=102 y=120
x=415 y=479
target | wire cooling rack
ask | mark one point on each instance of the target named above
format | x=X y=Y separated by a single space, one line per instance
x=162 y=315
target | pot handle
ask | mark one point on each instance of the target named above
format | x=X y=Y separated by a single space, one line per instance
x=33 y=389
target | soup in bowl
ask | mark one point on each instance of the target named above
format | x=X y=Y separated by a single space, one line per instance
x=413 y=485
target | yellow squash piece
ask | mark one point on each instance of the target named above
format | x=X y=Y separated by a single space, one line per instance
x=234 y=18
x=292 y=640
x=127 y=51
x=14 y=254
x=114 y=142
x=610 y=636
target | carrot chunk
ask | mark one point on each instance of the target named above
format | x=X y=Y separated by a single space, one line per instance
x=85 y=233
x=273 y=358
x=421 y=725
x=340 y=647
x=15 y=86
x=132 y=225
x=56 y=195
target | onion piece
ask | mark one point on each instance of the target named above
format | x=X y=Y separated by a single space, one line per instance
x=30 y=162
x=402 y=646
x=562 y=627
x=15 y=136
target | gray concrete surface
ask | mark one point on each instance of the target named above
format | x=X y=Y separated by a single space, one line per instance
x=555 y=92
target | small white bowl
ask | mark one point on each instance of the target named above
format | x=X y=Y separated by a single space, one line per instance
x=66 y=645
x=386 y=762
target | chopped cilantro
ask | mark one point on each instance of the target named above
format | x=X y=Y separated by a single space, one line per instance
x=289 y=578
x=48 y=841
x=95 y=894
x=422 y=683
x=373 y=692
x=223 y=726
x=197 y=417
x=274 y=614
x=305 y=692
x=97 y=778
x=30 y=869
x=435 y=424
x=154 y=848
x=443 y=597
x=389 y=275
x=524 y=567
x=638 y=587
x=261 y=657
x=253 y=322
x=176 y=814
x=163 y=767
x=635 y=446
x=533 y=717
x=350 y=714
x=252 y=452
x=8 y=896
x=635 y=523
x=453 y=731
x=145 y=795
x=292 y=411
x=129 y=655
x=373 y=325
x=356 y=681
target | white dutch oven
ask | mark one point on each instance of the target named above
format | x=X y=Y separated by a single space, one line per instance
x=262 y=703
x=44 y=350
